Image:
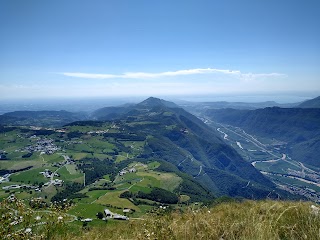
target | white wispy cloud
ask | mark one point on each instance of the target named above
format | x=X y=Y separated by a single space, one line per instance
x=195 y=71
x=255 y=76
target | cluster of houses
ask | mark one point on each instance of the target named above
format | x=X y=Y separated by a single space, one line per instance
x=5 y=178
x=48 y=174
x=44 y=146
x=35 y=128
x=315 y=177
x=127 y=170
x=55 y=182
x=306 y=192
x=68 y=160
x=62 y=130
x=184 y=130
x=97 y=132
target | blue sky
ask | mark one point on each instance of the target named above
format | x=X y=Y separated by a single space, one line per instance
x=163 y=48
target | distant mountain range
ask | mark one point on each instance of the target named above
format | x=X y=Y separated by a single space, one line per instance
x=62 y=117
x=198 y=108
x=41 y=118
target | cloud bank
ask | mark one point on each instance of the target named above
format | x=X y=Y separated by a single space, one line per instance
x=195 y=71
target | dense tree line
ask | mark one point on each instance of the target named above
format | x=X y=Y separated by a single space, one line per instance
x=5 y=171
x=86 y=123
x=3 y=157
x=119 y=147
x=74 y=134
x=27 y=155
x=125 y=137
x=69 y=192
x=43 y=132
x=156 y=194
x=4 y=129
x=101 y=188
x=95 y=169
x=159 y=195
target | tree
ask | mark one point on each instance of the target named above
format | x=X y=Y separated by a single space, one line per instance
x=100 y=215
x=84 y=225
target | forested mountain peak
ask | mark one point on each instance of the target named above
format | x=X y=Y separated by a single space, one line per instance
x=155 y=102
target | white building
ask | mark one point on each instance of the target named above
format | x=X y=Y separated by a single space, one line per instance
x=116 y=216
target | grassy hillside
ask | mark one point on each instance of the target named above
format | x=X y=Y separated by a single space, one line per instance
x=229 y=219
x=233 y=220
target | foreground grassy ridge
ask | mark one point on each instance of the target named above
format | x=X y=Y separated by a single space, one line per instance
x=246 y=220
x=18 y=221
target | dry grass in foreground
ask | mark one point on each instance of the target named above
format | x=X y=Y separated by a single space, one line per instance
x=246 y=220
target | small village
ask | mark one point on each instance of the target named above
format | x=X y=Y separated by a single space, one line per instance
x=44 y=146
x=46 y=173
x=313 y=176
x=306 y=192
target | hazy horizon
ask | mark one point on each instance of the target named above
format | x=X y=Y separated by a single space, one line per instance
x=282 y=97
x=94 y=103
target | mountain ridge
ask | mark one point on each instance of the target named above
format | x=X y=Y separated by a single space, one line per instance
x=312 y=103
